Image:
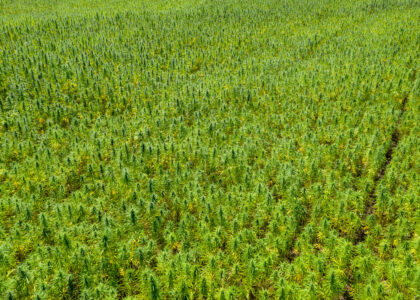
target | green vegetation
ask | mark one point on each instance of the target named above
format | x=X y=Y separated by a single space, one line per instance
x=193 y=149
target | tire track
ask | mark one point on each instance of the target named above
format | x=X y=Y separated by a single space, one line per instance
x=371 y=198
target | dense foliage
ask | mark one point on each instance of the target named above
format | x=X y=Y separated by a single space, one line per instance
x=209 y=149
